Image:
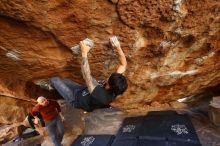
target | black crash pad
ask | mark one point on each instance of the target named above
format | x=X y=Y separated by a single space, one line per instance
x=93 y=140
x=130 y=128
x=144 y=142
x=125 y=142
x=168 y=126
x=162 y=128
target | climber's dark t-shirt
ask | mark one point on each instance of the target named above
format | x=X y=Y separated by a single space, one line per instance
x=99 y=98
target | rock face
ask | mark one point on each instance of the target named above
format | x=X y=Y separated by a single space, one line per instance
x=172 y=46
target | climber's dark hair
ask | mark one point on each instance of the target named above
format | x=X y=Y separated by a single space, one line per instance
x=118 y=83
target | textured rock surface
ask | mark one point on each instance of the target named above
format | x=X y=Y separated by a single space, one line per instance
x=13 y=110
x=172 y=46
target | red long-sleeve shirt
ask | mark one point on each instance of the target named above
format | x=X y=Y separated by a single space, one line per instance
x=48 y=112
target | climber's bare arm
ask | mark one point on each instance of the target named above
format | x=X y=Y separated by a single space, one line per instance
x=121 y=56
x=122 y=61
x=90 y=81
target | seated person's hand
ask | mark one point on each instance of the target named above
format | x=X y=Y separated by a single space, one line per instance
x=62 y=118
x=36 y=121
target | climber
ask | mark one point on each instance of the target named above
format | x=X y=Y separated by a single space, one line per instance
x=51 y=114
x=97 y=94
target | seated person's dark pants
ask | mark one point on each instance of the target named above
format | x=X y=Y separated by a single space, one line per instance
x=67 y=89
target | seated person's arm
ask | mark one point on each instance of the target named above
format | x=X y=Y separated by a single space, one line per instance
x=36 y=113
x=56 y=104
x=90 y=81
x=121 y=56
x=59 y=110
